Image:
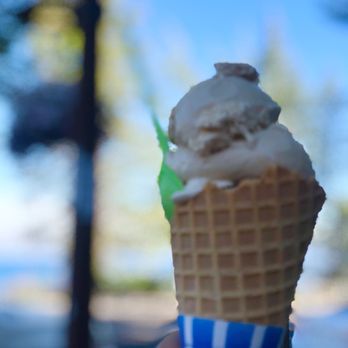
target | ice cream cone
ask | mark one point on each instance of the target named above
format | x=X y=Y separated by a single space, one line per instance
x=238 y=253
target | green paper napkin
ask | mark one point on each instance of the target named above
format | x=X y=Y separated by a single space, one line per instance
x=168 y=181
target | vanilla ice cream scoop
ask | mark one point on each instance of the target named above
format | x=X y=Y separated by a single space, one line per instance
x=217 y=112
x=226 y=129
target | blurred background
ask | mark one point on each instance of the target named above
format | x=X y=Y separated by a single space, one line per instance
x=149 y=53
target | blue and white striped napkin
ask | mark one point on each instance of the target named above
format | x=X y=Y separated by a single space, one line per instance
x=207 y=333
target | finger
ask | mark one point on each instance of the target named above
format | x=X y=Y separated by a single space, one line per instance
x=171 y=341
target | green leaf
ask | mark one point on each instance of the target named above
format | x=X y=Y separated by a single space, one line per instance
x=168 y=181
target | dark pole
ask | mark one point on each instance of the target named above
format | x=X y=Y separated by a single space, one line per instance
x=86 y=137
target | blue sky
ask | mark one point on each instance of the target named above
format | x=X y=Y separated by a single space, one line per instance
x=210 y=31
x=233 y=30
x=205 y=32
x=200 y=33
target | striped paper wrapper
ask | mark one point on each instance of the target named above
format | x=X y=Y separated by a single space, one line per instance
x=207 y=333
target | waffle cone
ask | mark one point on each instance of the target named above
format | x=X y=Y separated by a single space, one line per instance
x=238 y=253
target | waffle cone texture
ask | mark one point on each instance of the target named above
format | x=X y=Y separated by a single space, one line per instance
x=238 y=253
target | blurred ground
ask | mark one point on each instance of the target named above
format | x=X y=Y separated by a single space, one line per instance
x=133 y=320
x=141 y=319
x=139 y=308
x=34 y=315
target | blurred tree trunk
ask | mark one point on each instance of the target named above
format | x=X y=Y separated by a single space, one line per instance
x=86 y=138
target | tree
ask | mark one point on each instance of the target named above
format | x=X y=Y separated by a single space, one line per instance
x=312 y=116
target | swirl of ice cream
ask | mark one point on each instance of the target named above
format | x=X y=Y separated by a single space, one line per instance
x=217 y=112
x=226 y=129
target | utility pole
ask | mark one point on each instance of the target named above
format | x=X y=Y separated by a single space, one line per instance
x=86 y=133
